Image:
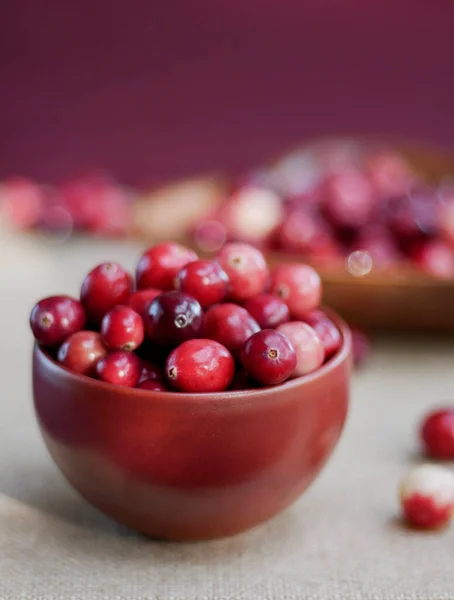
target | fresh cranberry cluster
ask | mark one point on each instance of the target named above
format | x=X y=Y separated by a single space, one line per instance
x=192 y=325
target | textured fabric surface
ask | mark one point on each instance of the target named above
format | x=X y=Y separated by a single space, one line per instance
x=341 y=540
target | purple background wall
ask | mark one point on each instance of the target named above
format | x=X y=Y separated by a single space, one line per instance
x=156 y=89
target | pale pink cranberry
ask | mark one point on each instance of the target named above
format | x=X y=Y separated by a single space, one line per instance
x=23 y=202
x=246 y=268
x=160 y=264
x=435 y=258
x=326 y=330
x=269 y=311
x=54 y=319
x=104 y=287
x=310 y=353
x=427 y=496
x=437 y=434
x=119 y=368
x=204 y=280
x=140 y=301
x=230 y=325
x=200 y=366
x=299 y=286
x=153 y=385
x=390 y=173
x=269 y=357
x=122 y=329
x=210 y=235
x=302 y=231
x=81 y=351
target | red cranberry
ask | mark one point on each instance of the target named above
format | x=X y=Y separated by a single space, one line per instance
x=200 y=366
x=150 y=371
x=153 y=385
x=104 y=287
x=23 y=202
x=230 y=325
x=81 y=351
x=122 y=329
x=302 y=231
x=54 y=319
x=310 y=353
x=160 y=264
x=242 y=381
x=173 y=318
x=269 y=357
x=326 y=330
x=247 y=270
x=269 y=311
x=361 y=345
x=435 y=258
x=204 y=280
x=140 y=301
x=120 y=368
x=299 y=286
x=390 y=173
x=437 y=434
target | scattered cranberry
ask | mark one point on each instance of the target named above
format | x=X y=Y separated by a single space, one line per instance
x=54 y=319
x=120 y=368
x=200 y=366
x=140 y=301
x=230 y=325
x=160 y=264
x=122 y=329
x=310 y=353
x=269 y=311
x=328 y=333
x=427 y=496
x=299 y=286
x=81 y=351
x=173 y=318
x=269 y=357
x=104 y=287
x=150 y=372
x=437 y=434
x=153 y=385
x=242 y=381
x=204 y=280
x=246 y=268
x=361 y=346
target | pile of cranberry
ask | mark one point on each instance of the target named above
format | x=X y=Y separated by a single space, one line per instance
x=193 y=325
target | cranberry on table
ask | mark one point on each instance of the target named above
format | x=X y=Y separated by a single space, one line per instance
x=326 y=330
x=204 y=280
x=310 y=353
x=119 y=368
x=200 y=366
x=141 y=300
x=269 y=357
x=269 y=311
x=81 y=351
x=427 y=496
x=230 y=325
x=299 y=286
x=173 y=317
x=159 y=265
x=104 y=287
x=437 y=434
x=122 y=329
x=246 y=268
x=150 y=371
x=54 y=319
x=153 y=385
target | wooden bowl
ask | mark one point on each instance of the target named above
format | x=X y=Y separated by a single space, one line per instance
x=186 y=466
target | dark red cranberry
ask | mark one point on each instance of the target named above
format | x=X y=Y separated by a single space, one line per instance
x=361 y=346
x=269 y=311
x=173 y=318
x=299 y=286
x=242 y=381
x=54 y=319
x=269 y=357
x=104 y=287
x=153 y=385
x=200 y=366
x=437 y=434
x=140 y=301
x=150 y=372
x=247 y=270
x=326 y=330
x=230 y=325
x=122 y=329
x=204 y=280
x=81 y=351
x=160 y=264
x=120 y=368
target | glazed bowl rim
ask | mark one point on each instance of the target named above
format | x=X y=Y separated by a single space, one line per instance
x=175 y=397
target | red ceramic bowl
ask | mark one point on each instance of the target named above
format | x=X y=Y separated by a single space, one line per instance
x=191 y=466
